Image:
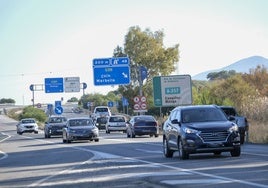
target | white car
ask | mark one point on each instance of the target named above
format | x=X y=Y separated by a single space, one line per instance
x=116 y=123
x=101 y=111
x=27 y=125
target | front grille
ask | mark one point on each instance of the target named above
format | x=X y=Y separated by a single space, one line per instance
x=214 y=136
x=29 y=126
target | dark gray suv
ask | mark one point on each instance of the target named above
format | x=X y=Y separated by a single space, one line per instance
x=54 y=126
x=200 y=129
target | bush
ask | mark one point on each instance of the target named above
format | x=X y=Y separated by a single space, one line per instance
x=31 y=112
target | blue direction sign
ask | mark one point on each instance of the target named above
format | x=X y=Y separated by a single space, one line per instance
x=53 y=85
x=110 y=104
x=111 y=71
x=58 y=110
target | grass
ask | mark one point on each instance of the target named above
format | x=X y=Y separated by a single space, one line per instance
x=258 y=132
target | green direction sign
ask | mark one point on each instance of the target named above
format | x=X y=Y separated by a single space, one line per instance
x=172 y=90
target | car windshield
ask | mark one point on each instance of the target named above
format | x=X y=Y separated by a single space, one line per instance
x=25 y=121
x=202 y=115
x=117 y=119
x=80 y=122
x=101 y=109
x=57 y=120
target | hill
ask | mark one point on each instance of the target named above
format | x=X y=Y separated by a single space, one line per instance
x=241 y=66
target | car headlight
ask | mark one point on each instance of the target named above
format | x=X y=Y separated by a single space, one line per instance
x=95 y=130
x=234 y=128
x=189 y=131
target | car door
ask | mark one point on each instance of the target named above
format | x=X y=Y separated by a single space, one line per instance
x=173 y=128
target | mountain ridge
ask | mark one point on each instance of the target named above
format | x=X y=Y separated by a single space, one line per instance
x=241 y=66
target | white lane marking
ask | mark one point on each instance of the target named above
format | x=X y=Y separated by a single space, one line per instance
x=196 y=181
x=150 y=151
x=5 y=155
x=38 y=183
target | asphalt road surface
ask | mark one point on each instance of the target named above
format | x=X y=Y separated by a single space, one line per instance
x=30 y=160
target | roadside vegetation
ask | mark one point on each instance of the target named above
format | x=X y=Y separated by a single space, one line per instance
x=246 y=92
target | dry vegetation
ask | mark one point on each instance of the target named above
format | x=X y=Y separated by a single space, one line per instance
x=258 y=132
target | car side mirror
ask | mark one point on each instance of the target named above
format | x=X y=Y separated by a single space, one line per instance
x=231 y=118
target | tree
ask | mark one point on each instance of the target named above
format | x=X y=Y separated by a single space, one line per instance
x=234 y=89
x=4 y=101
x=258 y=78
x=220 y=75
x=73 y=99
x=146 y=48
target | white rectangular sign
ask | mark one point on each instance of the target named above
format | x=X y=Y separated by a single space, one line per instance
x=172 y=90
x=72 y=84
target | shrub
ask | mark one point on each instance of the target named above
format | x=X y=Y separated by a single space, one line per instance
x=31 y=112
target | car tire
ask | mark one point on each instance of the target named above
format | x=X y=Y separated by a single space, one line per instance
x=35 y=132
x=236 y=152
x=182 y=152
x=107 y=132
x=167 y=152
x=63 y=140
x=156 y=135
x=132 y=134
x=242 y=138
x=96 y=140
x=128 y=134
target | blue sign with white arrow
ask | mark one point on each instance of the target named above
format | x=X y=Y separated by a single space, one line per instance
x=111 y=71
x=58 y=110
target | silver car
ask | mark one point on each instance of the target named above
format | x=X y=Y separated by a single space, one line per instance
x=116 y=123
x=80 y=129
x=27 y=125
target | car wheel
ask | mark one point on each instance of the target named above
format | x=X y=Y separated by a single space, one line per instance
x=182 y=153
x=156 y=135
x=107 y=131
x=132 y=134
x=167 y=152
x=236 y=152
x=35 y=132
x=63 y=140
x=20 y=133
x=242 y=138
x=96 y=140
x=48 y=135
x=128 y=134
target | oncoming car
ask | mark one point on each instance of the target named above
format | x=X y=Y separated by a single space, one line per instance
x=54 y=126
x=27 y=125
x=200 y=129
x=80 y=129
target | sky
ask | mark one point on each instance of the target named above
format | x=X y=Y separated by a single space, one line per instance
x=60 y=38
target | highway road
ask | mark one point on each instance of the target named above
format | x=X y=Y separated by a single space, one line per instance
x=30 y=160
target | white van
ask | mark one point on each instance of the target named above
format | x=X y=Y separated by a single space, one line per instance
x=101 y=111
